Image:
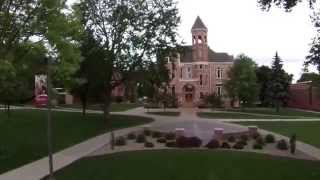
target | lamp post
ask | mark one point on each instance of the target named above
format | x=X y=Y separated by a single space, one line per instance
x=49 y=119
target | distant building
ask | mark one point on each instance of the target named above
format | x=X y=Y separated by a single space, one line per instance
x=304 y=95
x=198 y=71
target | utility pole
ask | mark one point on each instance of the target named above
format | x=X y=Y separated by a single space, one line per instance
x=49 y=123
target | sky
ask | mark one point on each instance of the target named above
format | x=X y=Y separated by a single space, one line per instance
x=240 y=26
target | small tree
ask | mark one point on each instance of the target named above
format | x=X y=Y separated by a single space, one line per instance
x=264 y=75
x=242 y=84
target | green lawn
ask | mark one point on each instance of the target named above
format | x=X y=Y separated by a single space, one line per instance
x=283 y=112
x=115 y=107
x=308 y=132
x=23 y=137
x=190 y=165
x=236 y=115
x=165 y=113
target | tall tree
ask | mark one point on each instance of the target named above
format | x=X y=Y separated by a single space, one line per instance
x=242 y=84
x=278 y=87
x=130 y=32
x=264 y=76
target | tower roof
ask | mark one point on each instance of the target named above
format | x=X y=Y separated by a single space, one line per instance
x=198 y=24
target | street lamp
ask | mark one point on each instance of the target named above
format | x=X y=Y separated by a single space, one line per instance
x=49 y=119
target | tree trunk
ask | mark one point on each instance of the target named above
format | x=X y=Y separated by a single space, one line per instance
x=107 y=104
x=277 y=107
x=84 y=106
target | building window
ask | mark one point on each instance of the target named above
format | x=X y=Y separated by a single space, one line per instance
x=219 y=90
x=219 y=73
x=201 y=95
x=200 y=66
x=189 y=69
x=201 y=79
x=173 y=90
x=181 y=73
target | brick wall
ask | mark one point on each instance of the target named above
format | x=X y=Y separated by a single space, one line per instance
x=304 y=96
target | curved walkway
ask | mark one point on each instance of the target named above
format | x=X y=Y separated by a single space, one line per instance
x=188 y=117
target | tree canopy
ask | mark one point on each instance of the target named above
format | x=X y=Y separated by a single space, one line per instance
x=242 y=84
x=130 y=33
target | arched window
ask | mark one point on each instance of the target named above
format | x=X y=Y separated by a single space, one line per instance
x=199 y=40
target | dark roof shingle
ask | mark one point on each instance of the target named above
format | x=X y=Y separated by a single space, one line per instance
x=186 y=55
x=198 y=24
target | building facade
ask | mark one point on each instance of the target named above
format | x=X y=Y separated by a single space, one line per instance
x=198 y=71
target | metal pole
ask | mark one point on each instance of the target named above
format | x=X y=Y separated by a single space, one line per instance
x=49 y=130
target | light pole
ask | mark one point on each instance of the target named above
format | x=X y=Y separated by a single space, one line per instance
x=49 y=119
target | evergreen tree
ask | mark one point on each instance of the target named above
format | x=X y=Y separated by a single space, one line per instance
x=278 y=88
x=264 y=75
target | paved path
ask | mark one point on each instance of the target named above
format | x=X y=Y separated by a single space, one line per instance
x=201 y=127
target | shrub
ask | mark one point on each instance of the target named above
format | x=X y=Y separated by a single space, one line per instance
x=156 y=134
x=244 y=137
x=170 y=136
x=147 y=132
x=255 y=135
x=131 y=136
x=141 y=138
x=225 y=145
x=260 y=140
x=282 y=145
x=244 y=143
x=213 y=144
x=171 y=144
x=257 y=146
x=238 y=145
x=120 y=141
x=194 y=142
x=188 y=142
x=270 y=138
x=161 y=140
x=148 y=145
x=231 y=139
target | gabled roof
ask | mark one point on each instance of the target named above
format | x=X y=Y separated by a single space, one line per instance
x=186 y=55
x=198 y=24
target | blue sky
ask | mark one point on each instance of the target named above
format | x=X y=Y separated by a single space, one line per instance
x=240 y=26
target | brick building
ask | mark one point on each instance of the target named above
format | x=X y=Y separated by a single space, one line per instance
x=197 y=70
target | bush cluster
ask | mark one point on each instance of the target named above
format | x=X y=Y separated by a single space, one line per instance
x=156 y=134
x=225 y=145
x=231 y=139
x=238 y=145
x=270 y=138
x=120 y=141
x=282 y=145
x=260 y=140
x=131 y=136
x=213 y=144
x=188 y=142
x=244 y=137
x=147 y=132
x=148 y=145
x=162 y=140
x=171 y=144
x=170 y=136
x=141 y=138
x=255 y=135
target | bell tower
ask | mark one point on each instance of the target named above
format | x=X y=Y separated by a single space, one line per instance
x=199 y=41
